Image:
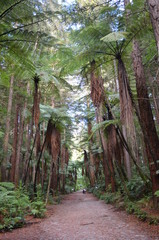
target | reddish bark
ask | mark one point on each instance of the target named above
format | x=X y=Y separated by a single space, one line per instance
x=91 y=157
x=99 y=118
x=154 y=15
x=15 y=139
x=111 y=147
x=6 y=137
x=20 y=141
x=146 y=120
x=86 y=163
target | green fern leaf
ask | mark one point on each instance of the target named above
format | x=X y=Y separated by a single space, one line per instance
x=115 y=36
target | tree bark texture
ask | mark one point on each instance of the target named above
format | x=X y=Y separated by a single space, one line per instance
x=63 y=160
x=111 y=147
x=99 y=118
x=86 y=163
x=6 y=137
x=91 y=157
x=126 y=114
x=98 y=98
x=55 y=151
x=14 y=147
x=20 y=141
x=154 y=15
x=155 y=93
x=146 y=118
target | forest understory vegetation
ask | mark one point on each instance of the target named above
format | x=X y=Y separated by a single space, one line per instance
x=79 y=89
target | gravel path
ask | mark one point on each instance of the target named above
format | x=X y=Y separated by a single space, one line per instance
x=83 y=217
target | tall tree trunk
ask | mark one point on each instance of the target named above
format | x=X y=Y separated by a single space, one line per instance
x=91 y=157
x=54 y=182
x=36 y=115
x=111 y=147
x=38 y=165
x=29 y=131
x=6 y=137
x=53 y=141
x=27 y=172
x=155 y=92
x=146 y=120
x=99 y=118
x=98 y=98
x=86 y=163
x=28 y=143
x=63 y=157
x=49 y=181
x=15 y=140
x=43 y=161
x=126 y=112
x=154 y=15
x=20 y=141
x=128 y=124
x=126 y=146
x=43 y=170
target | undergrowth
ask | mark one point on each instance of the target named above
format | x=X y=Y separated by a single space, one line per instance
x=15 y=205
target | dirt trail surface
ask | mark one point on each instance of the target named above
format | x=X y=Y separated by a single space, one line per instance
x=83 y=217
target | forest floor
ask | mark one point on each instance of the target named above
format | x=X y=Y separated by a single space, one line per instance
x=84 y=217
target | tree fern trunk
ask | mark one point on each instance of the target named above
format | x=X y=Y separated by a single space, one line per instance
x=115 y=77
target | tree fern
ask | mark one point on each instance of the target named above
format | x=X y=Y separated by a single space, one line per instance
x=114 y=37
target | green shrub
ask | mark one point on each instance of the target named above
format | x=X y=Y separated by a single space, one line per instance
x=157 y=193
x=138 y=188
x=97 y=192
x=14 y=204
x=133 y=208
x=38 y=207
x=153 y=220
x=103 y=196
x=69 y=189
x=111 y=197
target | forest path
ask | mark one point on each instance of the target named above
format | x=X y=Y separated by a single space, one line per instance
x=84 y=217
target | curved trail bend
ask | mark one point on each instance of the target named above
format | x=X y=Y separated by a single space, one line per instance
x=83 y=217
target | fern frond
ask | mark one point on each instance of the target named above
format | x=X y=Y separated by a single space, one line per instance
x=102 y=125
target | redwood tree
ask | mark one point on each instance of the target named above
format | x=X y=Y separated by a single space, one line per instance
x=146 y=120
